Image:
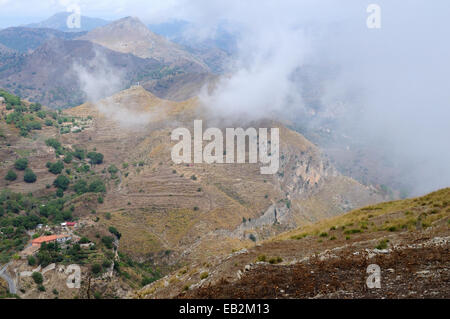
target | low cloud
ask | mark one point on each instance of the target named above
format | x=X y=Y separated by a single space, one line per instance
x=99 y=80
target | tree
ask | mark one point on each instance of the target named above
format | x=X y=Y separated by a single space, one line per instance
x=56 y=168
x=11 y=176
x=113 y=230
x=35 y=107
x=80 y=187
x=79 y=153
x=97 y=186
x=21 y=164
x=96 y=158
x=37 y=277
x=112 y=169
x=29 y=176
x=62 y=182
x=52 y=142
x=68 y=158
x=31 y=260
x=107 y=241
x=59 y=193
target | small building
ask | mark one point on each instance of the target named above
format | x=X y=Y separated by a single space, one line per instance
x=43 y=239
x=71 y=224
x=63 y=238
x=63 y=224
x=49 y=239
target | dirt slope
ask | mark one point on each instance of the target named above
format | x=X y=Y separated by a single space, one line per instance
x=408 y=239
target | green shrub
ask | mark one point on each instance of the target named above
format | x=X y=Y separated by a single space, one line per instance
x=275 y=260
x=29 y=176
x=59 y=193
x=112 y=169
x=56 y=168
x=352 y=231
x=96 y=158
x=114 y=231
x=97 y=186
x=80 y=187
x=106 y=263
x=261 y=258
x=68 y=158
x=80 y=154
x=52 y=142
x=21 y=164
x=383 y=244
x=62 y=182
x=204 y=275
x=37 y=277
x=31 y=260
x=11 y=176
x=107 y=241
x=96 y=269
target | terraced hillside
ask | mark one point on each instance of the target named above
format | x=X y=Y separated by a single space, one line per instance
x=202 y=210
x=167 y=215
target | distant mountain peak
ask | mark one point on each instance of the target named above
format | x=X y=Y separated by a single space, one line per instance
x=131 y=35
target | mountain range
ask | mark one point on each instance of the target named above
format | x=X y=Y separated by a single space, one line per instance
x=86 y=123
x=30 y=57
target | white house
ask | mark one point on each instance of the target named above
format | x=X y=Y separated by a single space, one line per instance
x=63 y=238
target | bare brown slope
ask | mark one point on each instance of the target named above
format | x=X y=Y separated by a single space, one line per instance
x=408 y=239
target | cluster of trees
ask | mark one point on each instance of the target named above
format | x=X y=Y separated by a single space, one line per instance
x=96 y=158
x=31 y=117
x=96 y=186
x=13 y=226
x=23 y=119
x=62 y=182
x=10 y=99
x=53 y=253
x=21 y=165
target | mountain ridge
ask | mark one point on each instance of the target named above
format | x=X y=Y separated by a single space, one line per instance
x=58 y=21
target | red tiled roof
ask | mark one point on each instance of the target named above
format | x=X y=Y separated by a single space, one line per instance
x=46 y=239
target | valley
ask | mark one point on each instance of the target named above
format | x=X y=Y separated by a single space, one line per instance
x=112 y=186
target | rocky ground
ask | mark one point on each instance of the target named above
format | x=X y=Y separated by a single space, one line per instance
x=406 y=272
